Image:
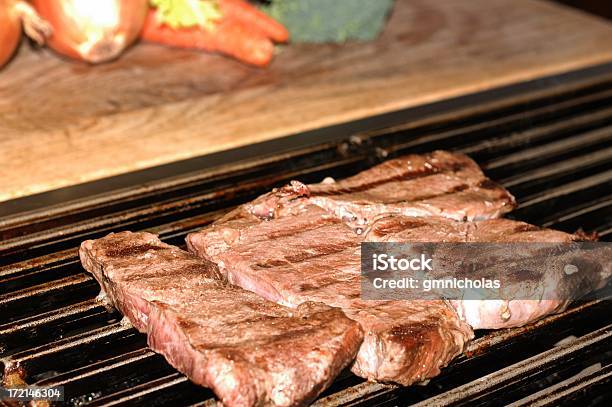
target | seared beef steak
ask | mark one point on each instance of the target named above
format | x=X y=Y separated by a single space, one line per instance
x=439 y=183
x=436 y=184
x=248 y=350
x=311 y=255
x=556 y=288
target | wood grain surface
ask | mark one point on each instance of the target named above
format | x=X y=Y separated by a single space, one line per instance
x=63 y=123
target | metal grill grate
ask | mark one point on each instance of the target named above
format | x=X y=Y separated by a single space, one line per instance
x=553 y=150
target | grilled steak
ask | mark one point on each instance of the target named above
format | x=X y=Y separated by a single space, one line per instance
x=439 y=183
x=541 y=272
x=248 y=350
x=310 y=255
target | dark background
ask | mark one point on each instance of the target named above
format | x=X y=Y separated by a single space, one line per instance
x=600 y=7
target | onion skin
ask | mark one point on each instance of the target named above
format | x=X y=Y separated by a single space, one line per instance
x=10 y=30
x=93 y=31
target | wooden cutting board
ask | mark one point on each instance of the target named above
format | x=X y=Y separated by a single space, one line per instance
x=63 y=123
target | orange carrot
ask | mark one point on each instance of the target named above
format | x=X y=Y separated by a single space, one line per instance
x=251 y=17
x=229 y=37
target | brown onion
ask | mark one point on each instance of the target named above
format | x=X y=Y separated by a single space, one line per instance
x=93 y=30
x=10 y=31
x=12 y=14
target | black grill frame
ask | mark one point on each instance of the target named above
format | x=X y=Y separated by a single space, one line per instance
x=548 y=141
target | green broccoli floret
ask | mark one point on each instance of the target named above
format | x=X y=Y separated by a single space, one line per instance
x=331 y=20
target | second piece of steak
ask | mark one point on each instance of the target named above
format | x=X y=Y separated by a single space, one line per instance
x=248 y=350
x=440 y=183
x=310 y=255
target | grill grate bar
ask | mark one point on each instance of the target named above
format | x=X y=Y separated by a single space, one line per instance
x=546 y=108
x=81 y=231
x=589 y=377
x=536 y=134
x=48 y=297
x=29 y=279
x=523 y=370
x=44 y=263
x=579 y=213
x=19 y=359
x=48 y=268
x=99 y=367
x=51 y=316
x=7 y=299
x=56 y=234
x=491 y=128
x=163 y=384
x=182 y=227
x=605 y=233
x=52 y=325
x=581 y=184
x=570 y=165
x=70 y=256
x=360 y=392
x=578 y=141
x=117 y=374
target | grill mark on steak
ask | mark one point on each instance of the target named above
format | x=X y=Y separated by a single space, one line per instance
x=319 y=250
x=315 y=251
x=405 y=332
x=401 y=223
x=451 y=191
x=488 y=184
x=524 y=227
x=376 y=183
x=290 y=232
x=248 y=350
x=428 y=169
x=131 y=250
x=267 y=264
x=206 y=269
x=306 y=287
